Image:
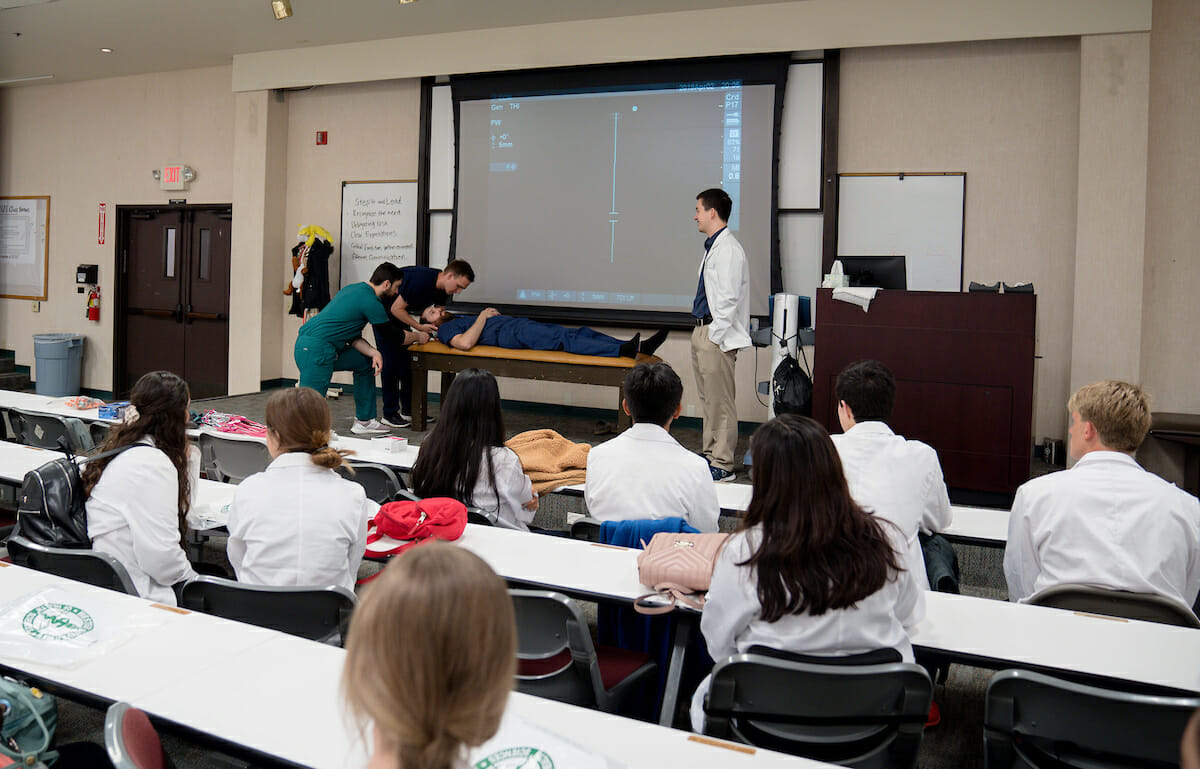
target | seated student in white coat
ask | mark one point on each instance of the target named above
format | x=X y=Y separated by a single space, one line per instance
x=1105 y=522
x=810 y=571
x=298 y=522
x=464 y=456
x=138 y=499
x=644 y=472
x=897 y=479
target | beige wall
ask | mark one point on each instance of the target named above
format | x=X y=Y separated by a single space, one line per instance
x=1110 y=229
x=97 y=142
x=1006 y=113
x=1171 y=315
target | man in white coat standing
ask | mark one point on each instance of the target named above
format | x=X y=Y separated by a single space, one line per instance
x=897 y=479
x=1106 y=522
x=722 y=312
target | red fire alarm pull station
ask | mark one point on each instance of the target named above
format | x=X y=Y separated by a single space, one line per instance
x=322 y=138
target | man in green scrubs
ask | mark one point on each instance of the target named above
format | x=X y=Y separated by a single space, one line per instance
x=332 y=341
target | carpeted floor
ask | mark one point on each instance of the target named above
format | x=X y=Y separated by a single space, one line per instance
x=956 y=744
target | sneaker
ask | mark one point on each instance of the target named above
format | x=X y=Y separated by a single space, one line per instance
x=720 y=475
x=397 y=420
x=373 y=427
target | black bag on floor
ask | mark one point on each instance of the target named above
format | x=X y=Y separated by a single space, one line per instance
x=791 y=389
x=51 y=509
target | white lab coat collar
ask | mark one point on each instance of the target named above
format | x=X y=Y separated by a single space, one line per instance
x=648 y=431
x=1119 y=457
x=870 y=427
x=293 y=459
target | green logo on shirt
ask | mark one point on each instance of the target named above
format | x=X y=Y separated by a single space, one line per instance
x=516 y=758
x=57 y=622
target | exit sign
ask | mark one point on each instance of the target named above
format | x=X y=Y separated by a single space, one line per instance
x=171 y=178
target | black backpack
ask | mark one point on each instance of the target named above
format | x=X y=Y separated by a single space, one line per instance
x=51 y=509
x=791 y=389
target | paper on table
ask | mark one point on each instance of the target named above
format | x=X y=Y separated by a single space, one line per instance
x=61 y=628
x=521 y=745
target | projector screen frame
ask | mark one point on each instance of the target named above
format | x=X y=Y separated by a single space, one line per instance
x=768 y=69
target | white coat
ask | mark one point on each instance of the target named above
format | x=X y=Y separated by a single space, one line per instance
x=513 y=490
x=645 y=473
x=731 y=622
x=1106 y=522
x=727 y=288
x=297 y=523
x=898 y=480
x=133 y=515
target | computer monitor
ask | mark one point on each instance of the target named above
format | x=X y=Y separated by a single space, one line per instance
x=882 y=271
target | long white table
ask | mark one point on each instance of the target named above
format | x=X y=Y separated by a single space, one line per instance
x=44 y=404
x=275 y=699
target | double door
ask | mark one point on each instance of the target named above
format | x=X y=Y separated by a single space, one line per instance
x=173 y=296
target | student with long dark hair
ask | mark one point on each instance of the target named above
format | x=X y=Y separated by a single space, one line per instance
x=298 y=522
x=139 y=499
x=809 y=571
x=464 y=456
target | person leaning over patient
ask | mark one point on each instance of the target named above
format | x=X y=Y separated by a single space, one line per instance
x=464 y=456
x=897 y=479
x=138 y=500
x=489 y=327
x=1105 y=522
x=298 y=522
x=431 y=658
x=644 y=472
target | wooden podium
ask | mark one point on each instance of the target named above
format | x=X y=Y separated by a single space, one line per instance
x=964 y=375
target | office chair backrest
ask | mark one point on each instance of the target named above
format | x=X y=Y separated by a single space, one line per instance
x=867 y=716
x=130 y=739
x=586 y=529
x=49 y=431
x=380 y=481
x=90 y=566
x=1147 y=607
x=556 y=656
x=318 y=613
x=1035 y=721
x=232 y=460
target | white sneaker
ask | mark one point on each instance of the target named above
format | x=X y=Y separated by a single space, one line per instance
x=373 y=427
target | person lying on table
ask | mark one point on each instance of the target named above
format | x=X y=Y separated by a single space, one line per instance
x=463 y=332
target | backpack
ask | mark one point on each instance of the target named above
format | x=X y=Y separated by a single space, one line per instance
x=791 y=389
x=51 y=509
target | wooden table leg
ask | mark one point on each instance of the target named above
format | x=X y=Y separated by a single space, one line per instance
x=420 y=393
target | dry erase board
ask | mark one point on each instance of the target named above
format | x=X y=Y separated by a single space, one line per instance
x=918 y=215
x=379 y=224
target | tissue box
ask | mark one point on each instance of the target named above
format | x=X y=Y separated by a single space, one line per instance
x=389 y=444
x=113 y=410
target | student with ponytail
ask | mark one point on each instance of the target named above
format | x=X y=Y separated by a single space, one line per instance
x=431 y=658
x=298 y=522
x=809 y=572
x=138 y=499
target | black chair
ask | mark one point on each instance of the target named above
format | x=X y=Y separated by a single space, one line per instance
x=853 y=711
x=131 y=740
x=1147 y=607
x=381 y=482
x=232 y=460
x=50 y=431
x=586 y=529
x=94 y=568
x=1035 y=721
x=556 y=658
x=318 y=613
x=474 y=514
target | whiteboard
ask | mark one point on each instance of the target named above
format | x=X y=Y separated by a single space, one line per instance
x=800 y=137
x=917 y=215
x=379 y=224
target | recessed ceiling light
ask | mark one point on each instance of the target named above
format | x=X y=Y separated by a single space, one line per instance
x=407 y=2
x=106 y=50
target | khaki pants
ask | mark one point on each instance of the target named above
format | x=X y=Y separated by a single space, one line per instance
x=714 y=383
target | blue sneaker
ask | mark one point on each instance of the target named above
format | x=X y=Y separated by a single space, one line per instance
x=720 y=475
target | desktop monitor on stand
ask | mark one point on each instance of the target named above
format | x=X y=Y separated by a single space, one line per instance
x=885 y=272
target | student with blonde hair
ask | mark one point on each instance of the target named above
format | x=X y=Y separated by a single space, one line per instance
x=1105 y=522
x=298 y=522
x=431 y=657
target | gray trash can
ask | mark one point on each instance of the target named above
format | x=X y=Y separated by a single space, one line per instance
x=59 y=359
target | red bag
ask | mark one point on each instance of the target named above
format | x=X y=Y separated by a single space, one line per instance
x=401 y=525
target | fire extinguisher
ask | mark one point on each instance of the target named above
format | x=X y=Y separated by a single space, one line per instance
x=93 y=304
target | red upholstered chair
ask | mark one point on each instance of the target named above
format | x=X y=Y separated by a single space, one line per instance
x=556 y=658
x=131 y=740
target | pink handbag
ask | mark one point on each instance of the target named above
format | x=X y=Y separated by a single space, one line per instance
x=679 y=567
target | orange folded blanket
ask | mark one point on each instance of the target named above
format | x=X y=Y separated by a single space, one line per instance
x=550 y=460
